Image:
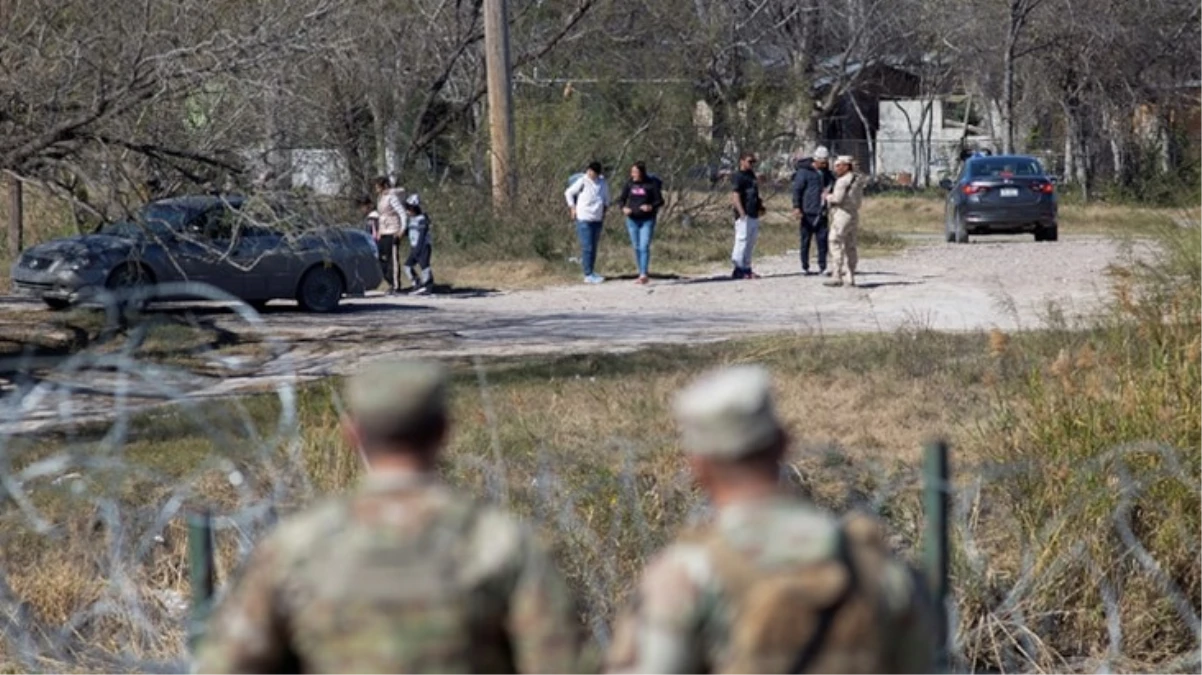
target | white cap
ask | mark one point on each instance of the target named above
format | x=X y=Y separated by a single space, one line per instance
x=413 y=200
x=845 y=159
x=822 y=153
x=728 y=413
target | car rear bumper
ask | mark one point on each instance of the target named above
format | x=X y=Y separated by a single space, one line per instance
x=1010 y=219
x=362 y=274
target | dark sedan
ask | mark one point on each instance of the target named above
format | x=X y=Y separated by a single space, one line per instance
x=240 y=247
x=1006 y=194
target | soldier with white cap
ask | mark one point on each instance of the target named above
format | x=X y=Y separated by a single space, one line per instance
x=844 y=202
x=772 y=584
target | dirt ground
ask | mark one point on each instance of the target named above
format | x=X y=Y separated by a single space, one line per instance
x=1003 y=282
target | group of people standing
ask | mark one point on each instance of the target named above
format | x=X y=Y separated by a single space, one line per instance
x=393 y=215
x=826 y=202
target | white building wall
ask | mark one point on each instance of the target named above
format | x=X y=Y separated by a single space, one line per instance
x=902 y=132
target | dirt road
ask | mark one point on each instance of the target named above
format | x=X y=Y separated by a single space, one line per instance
x=999 y=282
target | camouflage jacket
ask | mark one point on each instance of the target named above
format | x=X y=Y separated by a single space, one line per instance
x=404 y=576
x=683 y=618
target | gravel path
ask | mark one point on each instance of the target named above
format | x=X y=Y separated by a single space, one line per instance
x=1003 y=282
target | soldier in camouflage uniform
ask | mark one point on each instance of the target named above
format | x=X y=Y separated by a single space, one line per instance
x=772 y=585
x=403 y=576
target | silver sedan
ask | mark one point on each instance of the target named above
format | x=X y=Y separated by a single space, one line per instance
x=216 y=240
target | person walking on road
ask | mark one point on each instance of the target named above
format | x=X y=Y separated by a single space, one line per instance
x=771 y=584
x=588 y=199
x=641 y=199
x=748 y=207
x=812 y=180
x=404 y=574
x=417 y=224
x=844 y=202
x=390 y=212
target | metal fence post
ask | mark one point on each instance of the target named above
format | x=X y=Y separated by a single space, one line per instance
x=936 y=500
x=201 y=573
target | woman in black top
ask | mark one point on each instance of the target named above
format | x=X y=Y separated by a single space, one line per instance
x=641 y=199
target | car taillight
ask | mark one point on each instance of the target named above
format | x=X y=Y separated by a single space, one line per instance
x=1045 y=188
x=972 y=189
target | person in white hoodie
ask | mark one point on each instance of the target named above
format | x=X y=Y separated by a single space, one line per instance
x=588 y=199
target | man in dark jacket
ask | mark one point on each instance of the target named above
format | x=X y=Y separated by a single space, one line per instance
x=811 y=180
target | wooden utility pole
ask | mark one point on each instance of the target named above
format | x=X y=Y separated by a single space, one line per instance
x=500 y=100
x=16 y=217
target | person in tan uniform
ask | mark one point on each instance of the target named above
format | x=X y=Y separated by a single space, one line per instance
x=844 y=202
x=772 y=584
x=405 y=575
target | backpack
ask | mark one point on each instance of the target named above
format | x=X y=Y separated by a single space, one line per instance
x=822 y=616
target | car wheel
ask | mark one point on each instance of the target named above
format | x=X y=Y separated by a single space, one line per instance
x=320 y=290
x=1051 y=233
x=961 y=232
x=57 y=304
x=127 y=277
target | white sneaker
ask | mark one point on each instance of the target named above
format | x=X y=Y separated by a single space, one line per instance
x=594 y=279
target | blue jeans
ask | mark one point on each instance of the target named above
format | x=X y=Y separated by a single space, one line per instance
x=641 y=232
x=589 y=233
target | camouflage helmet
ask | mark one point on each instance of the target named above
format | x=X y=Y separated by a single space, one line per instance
x=728 y=413
x=396 y=398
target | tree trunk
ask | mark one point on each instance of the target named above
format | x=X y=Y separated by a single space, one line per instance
x=1084 y=161
x=1117 y=156
x=926 y=142
x=1008 y=92
x=1080 y=154
x=379 y=136
x=479 y=147
x=1070 y=158
x=868 y=136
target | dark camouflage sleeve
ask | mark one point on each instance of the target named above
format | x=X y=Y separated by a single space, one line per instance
x=544 y=624
x=246 y=633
